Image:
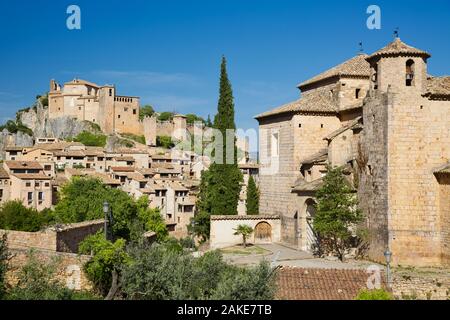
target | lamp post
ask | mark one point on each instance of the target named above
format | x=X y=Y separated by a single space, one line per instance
x=388 y=255
x=106 y=212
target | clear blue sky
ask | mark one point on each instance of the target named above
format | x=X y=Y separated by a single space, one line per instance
x=168 y=52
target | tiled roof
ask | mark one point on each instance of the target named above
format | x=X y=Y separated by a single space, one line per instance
x=70 y=153
x=17 y=165
x=352 y=125
x=248 y=217
x=438 y=86
x=3 y=174
x=104 y=178
x=320 y=284
x=398 y=47
x=443 y=169
x=315 y=101
x=13 y=148
x=319 y=156
x=303 y=185
x=123 y=169
x=178 y=187
x=355 y=67
x=31 y=176
x=129 y=159
x=136 y=177
x=81 y=82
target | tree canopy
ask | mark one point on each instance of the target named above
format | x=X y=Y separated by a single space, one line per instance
x=336 y=213
x=146 y=111
x=15 y=216
x=252 y=197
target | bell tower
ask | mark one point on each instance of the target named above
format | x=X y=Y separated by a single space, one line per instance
x=400 y=67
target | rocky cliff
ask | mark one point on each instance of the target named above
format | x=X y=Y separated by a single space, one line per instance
x=37 y=119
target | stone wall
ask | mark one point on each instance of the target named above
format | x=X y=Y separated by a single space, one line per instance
x=68 y=238
x=64 y=238
x=422 y=285
x=70 y=266
x=223 y=229
x=419 y=142
x=444 y=207
x=278 y=174
x=373 y=182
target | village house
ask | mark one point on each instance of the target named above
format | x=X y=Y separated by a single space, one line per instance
x=386 y=121
x=26 y=181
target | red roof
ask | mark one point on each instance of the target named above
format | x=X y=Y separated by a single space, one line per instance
x=320 y=284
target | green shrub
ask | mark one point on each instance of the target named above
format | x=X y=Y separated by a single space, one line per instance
x=4 y=260
x=165 y=142
x=82 y=199
x=166 y=116
x=376 y=294
x=146 y=111
x=107 y=256
x=15 y=127
x=91 y=139
x=15 y=216
x=139 y=139
x=192 y=118
x=38 y=281
x=208 y=277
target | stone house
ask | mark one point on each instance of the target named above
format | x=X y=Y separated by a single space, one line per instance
x=27 y=183
x=386 y=121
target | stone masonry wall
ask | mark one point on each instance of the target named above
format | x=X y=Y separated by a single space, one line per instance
x=373 y=183
x=422 y=285
x=276 y=184
x=419 y=142
x=69 y=272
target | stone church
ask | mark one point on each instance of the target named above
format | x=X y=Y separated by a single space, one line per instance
x=387 y=122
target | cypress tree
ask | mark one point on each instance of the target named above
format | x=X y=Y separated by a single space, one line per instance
x=252 y=197
x=220 y=187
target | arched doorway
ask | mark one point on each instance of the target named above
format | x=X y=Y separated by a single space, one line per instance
x=263 y=233
x=311 y=239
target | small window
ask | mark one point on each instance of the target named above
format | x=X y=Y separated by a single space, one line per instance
x=28 y=184
x=357 y=92
x=299 y=125
x=110 y=92
x=275 y=144
x=409 y=73
x=134 y=111
x=118 y=116
x=321 y=125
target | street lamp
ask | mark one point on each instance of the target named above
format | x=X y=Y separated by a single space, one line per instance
x=106 y=212
x=387 y=256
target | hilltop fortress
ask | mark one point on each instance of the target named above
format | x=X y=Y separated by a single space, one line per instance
x=87 y=101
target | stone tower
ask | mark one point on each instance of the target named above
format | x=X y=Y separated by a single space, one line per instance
x=179 y=127
x=106 y=111
x=405 y=139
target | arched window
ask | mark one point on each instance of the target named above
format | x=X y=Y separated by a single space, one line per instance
x=409 y=73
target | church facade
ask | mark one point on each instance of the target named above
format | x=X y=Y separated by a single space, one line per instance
x=387 y=122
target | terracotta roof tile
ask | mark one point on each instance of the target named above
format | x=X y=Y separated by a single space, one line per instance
x=17 y=165
x=248 y=217
x=438 y=86
x=320 y=284
x=315 y=101
x=354 y=67
x=3 y=174
x=398 y=47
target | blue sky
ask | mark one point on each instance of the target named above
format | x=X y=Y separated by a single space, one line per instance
x=168 y=52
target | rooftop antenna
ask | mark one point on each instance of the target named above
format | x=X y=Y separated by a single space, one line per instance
x=361 y=48
x=396 y=33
